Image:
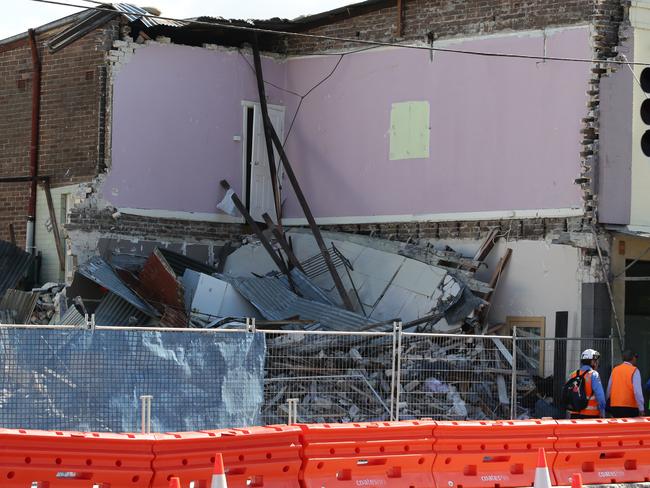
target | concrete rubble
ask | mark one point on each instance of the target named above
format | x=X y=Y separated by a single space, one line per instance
x=426 y=289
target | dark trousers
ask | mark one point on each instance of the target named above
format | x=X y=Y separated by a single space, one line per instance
x=580 y=416
x=624 y=412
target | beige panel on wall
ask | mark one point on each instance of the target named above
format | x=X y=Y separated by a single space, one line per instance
x=45 y=244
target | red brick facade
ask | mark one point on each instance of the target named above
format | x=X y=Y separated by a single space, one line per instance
x=456 y=18
x=70 y=117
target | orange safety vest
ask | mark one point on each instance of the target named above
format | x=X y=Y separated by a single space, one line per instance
x=622 y=391
x=592 y=403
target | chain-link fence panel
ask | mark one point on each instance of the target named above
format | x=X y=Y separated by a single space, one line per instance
x=544 y=365
x=92 y=380
x=455 y=377
x=334 y=377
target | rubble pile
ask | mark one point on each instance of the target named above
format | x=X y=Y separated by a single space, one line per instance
x=284 y=281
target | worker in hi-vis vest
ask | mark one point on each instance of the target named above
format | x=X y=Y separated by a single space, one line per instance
x=596 y=402
x=624 y=388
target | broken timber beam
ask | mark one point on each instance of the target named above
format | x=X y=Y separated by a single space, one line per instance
x=256 y=229
x=279 y=236
x=55 y=226
x=12 y=234
x=266 y=123
x=494 y=281
x=312 y=222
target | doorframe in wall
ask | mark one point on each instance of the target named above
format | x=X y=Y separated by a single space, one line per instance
x=246 y=106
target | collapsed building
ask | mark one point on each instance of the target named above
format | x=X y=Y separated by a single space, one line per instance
x=424 y=153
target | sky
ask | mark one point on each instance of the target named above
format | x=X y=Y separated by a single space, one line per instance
x=19 y=15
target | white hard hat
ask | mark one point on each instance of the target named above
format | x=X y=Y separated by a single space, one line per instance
x=590 y=354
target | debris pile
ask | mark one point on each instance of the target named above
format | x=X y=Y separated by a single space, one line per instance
x=288 y=281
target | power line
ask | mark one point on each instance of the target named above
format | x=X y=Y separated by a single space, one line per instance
x=361 y=41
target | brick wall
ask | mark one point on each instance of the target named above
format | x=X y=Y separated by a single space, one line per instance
x=531 y=229
x=457 y=18
x=70 y=108
x=149 y=228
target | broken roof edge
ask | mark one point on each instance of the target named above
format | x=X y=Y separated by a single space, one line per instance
x=55 y=24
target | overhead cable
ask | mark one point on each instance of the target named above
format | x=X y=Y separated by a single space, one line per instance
x=362 y=41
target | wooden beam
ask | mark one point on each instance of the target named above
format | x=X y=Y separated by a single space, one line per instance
x=12 y=234
x=400 y=17
x=312 y=222
x=487 y=246
x=54 y=223
x=266 y=122
x=279 y=236
x=256 y=229
x=494 y=281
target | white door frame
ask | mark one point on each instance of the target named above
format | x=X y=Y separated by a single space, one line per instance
x=246 y=104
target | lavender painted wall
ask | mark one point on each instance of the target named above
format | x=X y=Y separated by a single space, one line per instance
x=616 y=134
x=175 y=112
x=505 y=133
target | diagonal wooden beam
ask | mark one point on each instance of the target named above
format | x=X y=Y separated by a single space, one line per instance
x=256 y=229
x=279 y=236
x=266 y=122
x=310 y=218
x=55 y=226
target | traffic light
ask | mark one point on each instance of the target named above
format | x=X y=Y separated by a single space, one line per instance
x=645 y=110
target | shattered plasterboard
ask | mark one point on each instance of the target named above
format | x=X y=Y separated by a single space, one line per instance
x=214 y=298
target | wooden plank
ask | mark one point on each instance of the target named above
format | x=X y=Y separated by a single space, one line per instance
x=12 y=234
x=266 y=122
x=503 y=350
x=503 y=391
x=312 y=222
x=487 y=246
x=494 y=281
x=55 y=226
x=279 y=236
x=256 y=229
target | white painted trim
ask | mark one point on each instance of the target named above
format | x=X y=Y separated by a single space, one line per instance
x=179 y=215
x=444 y=217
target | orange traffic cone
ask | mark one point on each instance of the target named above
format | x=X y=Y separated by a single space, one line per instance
x=576 y=480
x=542 y=476
x=175 y=483
x=219 y=474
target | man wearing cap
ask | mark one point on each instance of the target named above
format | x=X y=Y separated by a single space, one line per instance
x=596 y=403
x=624 y=388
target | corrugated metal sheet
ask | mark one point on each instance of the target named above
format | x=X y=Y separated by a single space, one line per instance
x=20 y=304
x=159 y=283
x=113 y=310
x=133 y=13
x=180 y=263
x=14 y=265
x=305 y=287
x=276 y=302
x=71 y=317
x=100 y=272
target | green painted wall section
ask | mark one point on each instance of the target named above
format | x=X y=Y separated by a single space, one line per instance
x=409 y=130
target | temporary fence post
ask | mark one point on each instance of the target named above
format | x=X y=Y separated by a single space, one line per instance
x=398 y=381
x=513 y=384
x=250 y=324
x=393 y=373
x=292 y=416
x=146 y=413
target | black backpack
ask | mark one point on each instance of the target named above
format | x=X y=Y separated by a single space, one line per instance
x=574 y=393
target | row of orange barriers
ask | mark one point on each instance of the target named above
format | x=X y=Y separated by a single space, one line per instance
x=412 y=453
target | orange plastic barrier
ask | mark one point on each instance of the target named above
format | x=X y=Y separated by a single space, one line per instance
x=497 y=453
x=69 y=459
x=603 y=450
x=386 y=454
x=253 y=457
